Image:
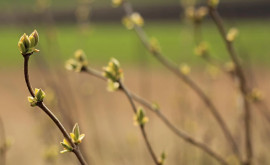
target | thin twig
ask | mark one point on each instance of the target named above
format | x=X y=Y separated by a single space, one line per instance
x=174 y=68
x=260 y=105
x=42 y=106
x=142 y=128
x=181 y=134
x=242 y=83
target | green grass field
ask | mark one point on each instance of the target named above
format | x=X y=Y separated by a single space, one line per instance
x=105 y=40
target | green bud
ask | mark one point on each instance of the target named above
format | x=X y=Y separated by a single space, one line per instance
x=162 y=158
x=231 y=35
x=154 y=46
x=140 y=118
x=75 y=135
x=184 y=69
x=21 y=47
x=213 y=3
x=113 y=71
x=155 y=106
x=35 y=36
x=126 y=21
x=39 y=95
x=78 y=63
x=76 y=131
x=27 y=44
x=66 y=145
x=32 y=41
x=255 y=95
x=73 y=65
x=117 y=3
x=32 y=101
x=137 y=19
x=112 y=86
x=26 y=41
x=80 y=56
x=202 y=49
x=196 y=15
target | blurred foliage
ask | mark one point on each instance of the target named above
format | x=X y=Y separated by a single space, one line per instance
x=105 y=40
x=63 y=4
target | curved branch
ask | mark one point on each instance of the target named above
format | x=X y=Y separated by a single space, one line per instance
x=42 y=106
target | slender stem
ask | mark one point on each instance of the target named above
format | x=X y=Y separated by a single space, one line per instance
x=149 y=147
x=181 y=134
x=42 y=106
x=79 y=155
x=243 y=84
x=26 y=75
x=174 y=68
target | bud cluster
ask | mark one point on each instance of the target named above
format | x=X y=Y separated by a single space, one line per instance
x=116 y=3
x=76 y=138
x=213 y=3
x=255 y=95
x=39 y=96
x=196 y=15
x=78 y=63
x=231 y=35
x=154 y=45
x=201 y=49
x=27 y=43
x=114 y=74
x=162 y=158
x=184 y=69
x=135 y=19
x=67 y=146
x=140 y=118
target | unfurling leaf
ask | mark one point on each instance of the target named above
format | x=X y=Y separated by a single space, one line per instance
x=39 y=96
x=66 y=145
x=75 y=135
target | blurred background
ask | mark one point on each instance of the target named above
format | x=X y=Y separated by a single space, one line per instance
x=106 y=118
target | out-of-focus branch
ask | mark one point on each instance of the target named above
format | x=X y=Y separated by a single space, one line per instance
x=242 y=83
x=142 y=128
x=174 y=68
x=181 y=134
x=41 y=105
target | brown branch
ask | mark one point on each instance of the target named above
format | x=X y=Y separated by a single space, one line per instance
x=42 y=106
x=26 y=75
x=142 y=128
x=181 y=134
x=173 y=68
x=242 y=85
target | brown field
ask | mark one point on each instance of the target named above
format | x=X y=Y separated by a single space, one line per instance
x=107 y=119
